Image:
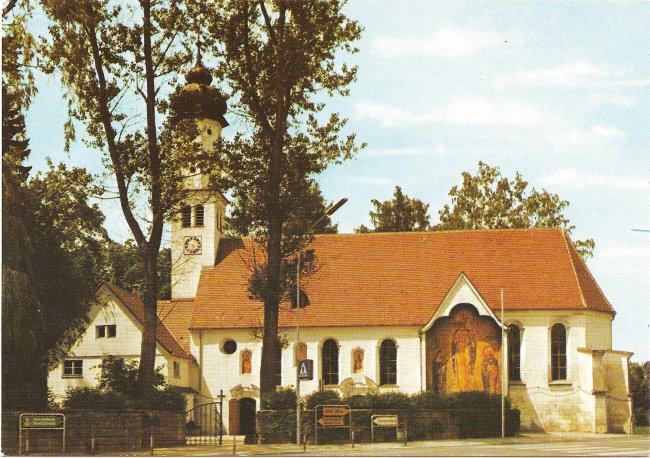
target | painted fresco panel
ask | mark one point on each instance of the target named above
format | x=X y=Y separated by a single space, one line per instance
x=464 y=353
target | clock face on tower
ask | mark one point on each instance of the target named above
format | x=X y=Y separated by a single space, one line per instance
x=192 y=244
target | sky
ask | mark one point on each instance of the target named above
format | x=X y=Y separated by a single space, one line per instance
x=556 y=90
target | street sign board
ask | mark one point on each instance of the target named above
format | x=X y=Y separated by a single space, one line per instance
x=333 y=416
x=39 y=421
x=335 y=411
x=385 y=420
x=42 y=421
x=332 y=421
x=306 y=369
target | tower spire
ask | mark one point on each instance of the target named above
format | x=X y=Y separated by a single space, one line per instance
x=199 y=62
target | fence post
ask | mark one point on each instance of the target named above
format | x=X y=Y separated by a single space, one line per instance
x=92 y=440
x=151 y=440
x=221 y=396
x=234 y=445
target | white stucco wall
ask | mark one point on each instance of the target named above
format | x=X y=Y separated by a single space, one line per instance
x=567 y=405
x=223 y=372
x=126 y=344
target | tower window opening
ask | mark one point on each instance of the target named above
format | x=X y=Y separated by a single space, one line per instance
x=199 y=217
x=186 y=216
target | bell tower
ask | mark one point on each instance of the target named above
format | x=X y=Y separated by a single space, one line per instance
x=197 y=228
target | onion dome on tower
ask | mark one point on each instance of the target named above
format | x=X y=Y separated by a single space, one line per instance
x=197 y=98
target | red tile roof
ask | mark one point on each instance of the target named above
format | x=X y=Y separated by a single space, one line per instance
x=163 y=334
x=176 y=315
x=399 y=279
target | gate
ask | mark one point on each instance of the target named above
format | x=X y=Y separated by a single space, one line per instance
x=204 y=424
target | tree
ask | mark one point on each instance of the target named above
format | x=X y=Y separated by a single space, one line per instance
x=42 y=254
x=640 y=392
x=401 y=214
x=278 y=57
x=109 y=53
x=491 y=201
x=124 y=267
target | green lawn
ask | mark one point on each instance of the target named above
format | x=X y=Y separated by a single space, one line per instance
x=641 y=430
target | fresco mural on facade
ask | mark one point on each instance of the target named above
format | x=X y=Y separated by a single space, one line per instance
x=464 y=353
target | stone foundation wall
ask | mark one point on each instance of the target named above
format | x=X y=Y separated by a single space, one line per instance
x=279 y=426
x=111 y=430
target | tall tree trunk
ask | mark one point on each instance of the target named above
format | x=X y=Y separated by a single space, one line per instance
x=150 y=249
x=270 y=350
x=146 y=369
x=270 y=345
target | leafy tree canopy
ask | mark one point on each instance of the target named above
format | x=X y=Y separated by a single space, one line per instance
x=400 y=214
x=279 y=58
x=488 y=200
x=640 y=392
x=115 y=56
x=52 y=236
x=124 y=267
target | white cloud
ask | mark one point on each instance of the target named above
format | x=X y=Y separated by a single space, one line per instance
x=364 y=180
x=580 y=179
x=438 y=150
x=463 y=112
x=617 y=251
x=446 y=42
x=595 y=136
x=580 y=73
x=598 y=99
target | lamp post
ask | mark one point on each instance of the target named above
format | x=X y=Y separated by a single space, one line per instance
x=327 y=213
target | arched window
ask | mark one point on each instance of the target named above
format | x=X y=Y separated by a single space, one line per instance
x=199 y=216
x=388 y=363
x=330 y=358
x=558 y=352
x=514 y=353
x=186 y=216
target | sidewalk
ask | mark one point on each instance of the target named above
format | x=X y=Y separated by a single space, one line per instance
x=381 y=448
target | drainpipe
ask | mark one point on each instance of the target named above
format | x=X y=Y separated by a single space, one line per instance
x=200 y=361
x=423 y=362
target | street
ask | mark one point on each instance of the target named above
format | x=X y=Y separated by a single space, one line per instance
x=554 y=444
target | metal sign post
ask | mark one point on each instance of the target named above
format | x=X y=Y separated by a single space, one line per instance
x=38 y=421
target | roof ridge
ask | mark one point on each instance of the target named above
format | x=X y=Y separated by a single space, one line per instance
x=584 y=264
x=159 y=321
x=393 y=233
x=573 y=267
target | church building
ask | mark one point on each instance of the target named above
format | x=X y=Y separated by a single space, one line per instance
x=382 y=312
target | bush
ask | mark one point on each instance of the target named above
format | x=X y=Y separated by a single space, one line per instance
x=475 y=400
x=395 y=400
x=322 y=397
x=95 y=399
x=118 y=390
x=167 y=398
x=281 y=399
x=429 y=400
x=117 y=374
x=358 y=401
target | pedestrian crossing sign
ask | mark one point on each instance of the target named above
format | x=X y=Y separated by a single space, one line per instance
x=306 y=369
